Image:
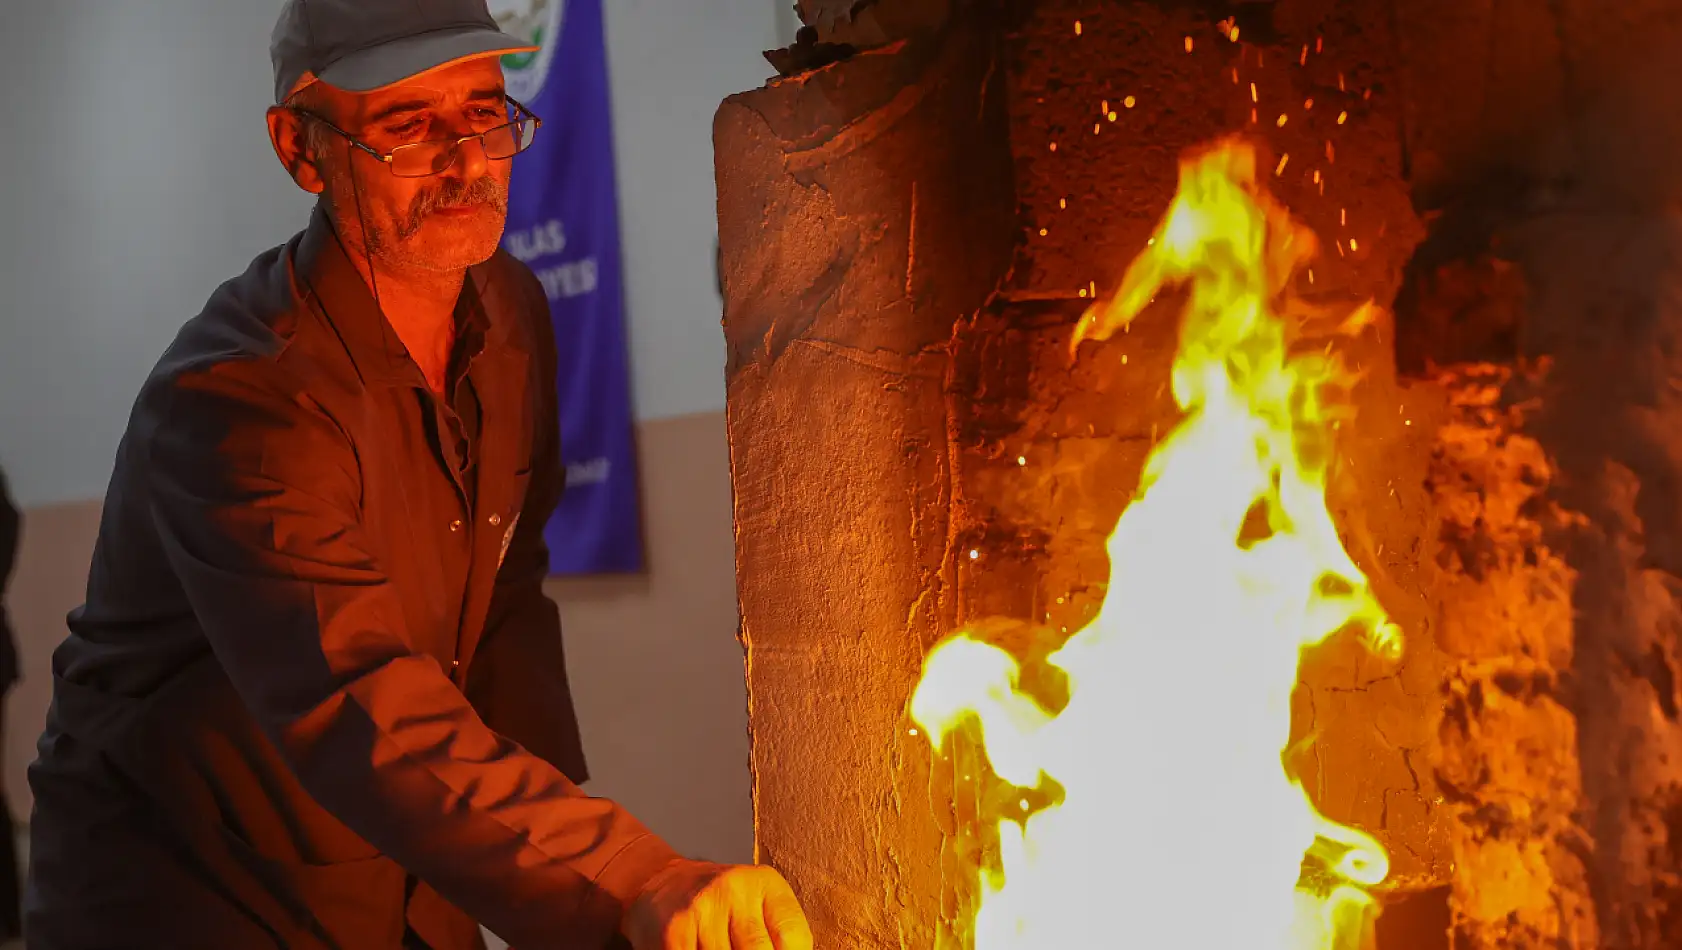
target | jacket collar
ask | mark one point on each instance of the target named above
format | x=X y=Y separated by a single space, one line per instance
x=324 y=276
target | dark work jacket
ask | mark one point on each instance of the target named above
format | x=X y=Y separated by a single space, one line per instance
x=316 y=694
x=11 y=525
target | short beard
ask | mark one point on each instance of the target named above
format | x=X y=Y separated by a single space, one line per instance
x=387 y=240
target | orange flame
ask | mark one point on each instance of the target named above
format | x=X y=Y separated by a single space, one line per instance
x=1175 y=821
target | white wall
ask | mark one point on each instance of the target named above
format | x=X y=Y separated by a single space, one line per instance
x=136 y=176
x=672 y=62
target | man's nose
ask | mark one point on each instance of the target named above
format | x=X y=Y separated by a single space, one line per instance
x=471 y=159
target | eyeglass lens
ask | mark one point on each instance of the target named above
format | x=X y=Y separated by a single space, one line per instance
x=429 y=158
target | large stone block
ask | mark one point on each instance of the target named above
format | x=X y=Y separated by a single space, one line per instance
x=865 y=209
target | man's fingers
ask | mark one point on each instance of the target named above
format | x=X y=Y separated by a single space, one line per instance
x=747 y=931
x=785 y=920
x=681 y=933
x=714 y=927
x=747 y=924
x=696 y=906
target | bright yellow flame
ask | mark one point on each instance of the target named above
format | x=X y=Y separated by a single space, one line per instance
x=1168 y=817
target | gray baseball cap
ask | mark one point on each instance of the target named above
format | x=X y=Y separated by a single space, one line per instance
x=366 y=45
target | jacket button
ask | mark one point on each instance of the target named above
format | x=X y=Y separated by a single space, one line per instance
x=455 y=525
x=496 y=520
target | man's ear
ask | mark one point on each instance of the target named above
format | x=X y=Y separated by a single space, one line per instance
x=291 y=146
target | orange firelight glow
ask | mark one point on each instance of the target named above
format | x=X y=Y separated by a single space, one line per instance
x=1157 y=807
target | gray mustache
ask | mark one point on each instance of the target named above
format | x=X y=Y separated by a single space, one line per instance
x=484 y=191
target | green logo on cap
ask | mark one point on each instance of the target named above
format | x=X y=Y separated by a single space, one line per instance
x=537 y=22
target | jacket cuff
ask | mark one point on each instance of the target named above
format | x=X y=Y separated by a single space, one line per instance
x=624 y=878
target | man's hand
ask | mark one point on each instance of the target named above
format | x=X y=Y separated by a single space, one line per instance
x=694 y=905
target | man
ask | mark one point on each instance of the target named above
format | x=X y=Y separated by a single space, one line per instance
x=316 y=697
x=11 y=525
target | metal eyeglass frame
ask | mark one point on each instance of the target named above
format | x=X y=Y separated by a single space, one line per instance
x=389 y=158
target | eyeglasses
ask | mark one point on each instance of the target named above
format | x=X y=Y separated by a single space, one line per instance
x=425 y=159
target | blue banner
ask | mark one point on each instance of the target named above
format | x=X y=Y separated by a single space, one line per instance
x=563 y=222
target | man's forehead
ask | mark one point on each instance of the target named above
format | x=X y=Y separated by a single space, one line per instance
x=481 y=78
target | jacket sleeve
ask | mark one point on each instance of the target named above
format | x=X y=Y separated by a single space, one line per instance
x=256 y=494
x=518 y=680
x=11 y=535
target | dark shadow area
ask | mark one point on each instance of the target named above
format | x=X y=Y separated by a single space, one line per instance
x=1417 y=921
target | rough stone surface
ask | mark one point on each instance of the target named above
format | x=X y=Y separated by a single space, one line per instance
x=1551 y=179
x=1508 y=764
x=1602 y=313
x=1559 y=576
x=864 y=209
x=1611 y=421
